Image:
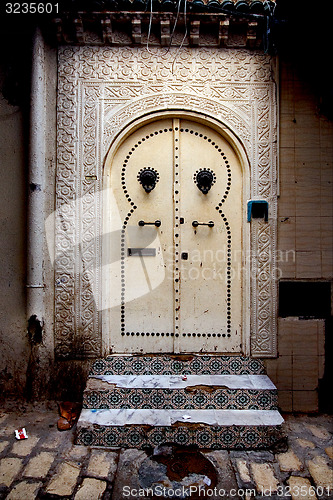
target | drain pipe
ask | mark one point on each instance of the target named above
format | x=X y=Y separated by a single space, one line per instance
x=36 y=196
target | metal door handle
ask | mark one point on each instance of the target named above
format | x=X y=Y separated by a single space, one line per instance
x=195 y=223
x=157 y=223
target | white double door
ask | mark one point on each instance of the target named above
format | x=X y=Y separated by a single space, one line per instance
x=175 y=274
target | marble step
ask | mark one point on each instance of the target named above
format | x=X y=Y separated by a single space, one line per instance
x=215 y=429
x=243 y=392
x=177 y=364
x=208 y=401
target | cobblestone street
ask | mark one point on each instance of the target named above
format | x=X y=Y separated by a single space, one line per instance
x=49 y=465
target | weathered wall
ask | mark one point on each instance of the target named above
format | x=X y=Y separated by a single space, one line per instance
x=27 y=367
x=14 y=352
x=305 y=234
x=306 y=173
x=300 y=364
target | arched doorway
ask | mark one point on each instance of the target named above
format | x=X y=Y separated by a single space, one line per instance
x=174 y=242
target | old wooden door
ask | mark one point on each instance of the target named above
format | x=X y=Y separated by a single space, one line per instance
x=175 y=283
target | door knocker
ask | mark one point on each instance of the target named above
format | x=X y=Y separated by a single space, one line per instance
x=148 y=178
x=204 y=178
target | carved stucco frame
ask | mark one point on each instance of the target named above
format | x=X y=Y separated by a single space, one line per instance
x=96 y=101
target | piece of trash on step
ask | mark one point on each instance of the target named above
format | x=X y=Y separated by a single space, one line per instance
x=207 y=481
x=21 y=434
x=184 y=377
x=186 y=417
x=69 y=413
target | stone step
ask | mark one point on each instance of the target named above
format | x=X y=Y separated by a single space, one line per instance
x=215 y=429
x=208 y=401
x=199 y=364
x=243 y=392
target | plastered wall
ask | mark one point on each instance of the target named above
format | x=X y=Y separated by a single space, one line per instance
x=14 y=351
x=305 y=206
x=300 y=365
x=305 y=235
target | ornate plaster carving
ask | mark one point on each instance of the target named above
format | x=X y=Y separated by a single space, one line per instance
x=103 y=89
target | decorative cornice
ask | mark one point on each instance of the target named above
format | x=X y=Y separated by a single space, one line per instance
x=196 y=23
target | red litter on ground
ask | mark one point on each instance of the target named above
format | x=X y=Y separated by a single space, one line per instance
x=21 y=434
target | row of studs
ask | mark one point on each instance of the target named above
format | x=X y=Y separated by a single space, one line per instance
x=176 y=231
x=162 y=334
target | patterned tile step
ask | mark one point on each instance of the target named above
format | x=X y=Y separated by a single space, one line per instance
x=215 y=429
x=245 y=392
x=177 y=364
x=179 y=399
x=203 y=436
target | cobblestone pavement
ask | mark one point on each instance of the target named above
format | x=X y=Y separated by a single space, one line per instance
x=48 y=465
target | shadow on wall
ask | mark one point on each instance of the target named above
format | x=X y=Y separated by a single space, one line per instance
x=70 y=379
x=290 y=32
x=326 y=383
x=46 y=379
